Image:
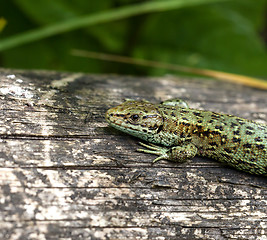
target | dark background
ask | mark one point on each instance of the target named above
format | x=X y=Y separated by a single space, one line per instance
x=227 y=36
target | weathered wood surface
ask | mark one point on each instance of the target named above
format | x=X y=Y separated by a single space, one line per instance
x=65 y=175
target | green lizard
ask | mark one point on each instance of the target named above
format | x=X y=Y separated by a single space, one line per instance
x=183 y=132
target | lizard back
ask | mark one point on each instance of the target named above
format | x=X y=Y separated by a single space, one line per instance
x=236 y=141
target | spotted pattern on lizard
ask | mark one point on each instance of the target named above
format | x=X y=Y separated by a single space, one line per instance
x=181 y=133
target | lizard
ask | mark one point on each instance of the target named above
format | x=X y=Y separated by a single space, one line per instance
x=177 y=133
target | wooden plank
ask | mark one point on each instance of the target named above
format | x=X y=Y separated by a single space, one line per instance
x=65 y=174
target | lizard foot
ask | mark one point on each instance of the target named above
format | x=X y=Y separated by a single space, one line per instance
x=154 y=149
x=178 y=154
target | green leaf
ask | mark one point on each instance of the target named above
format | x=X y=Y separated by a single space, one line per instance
x=97 y=18
x=50 y=12
x=213 y=37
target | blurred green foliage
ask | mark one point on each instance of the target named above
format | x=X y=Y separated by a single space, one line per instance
x=2 y=23
x=222 y=36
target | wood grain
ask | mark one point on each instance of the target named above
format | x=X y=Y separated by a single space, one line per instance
x=65 y=174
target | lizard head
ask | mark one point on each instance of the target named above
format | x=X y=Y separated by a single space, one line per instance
x=138 y=118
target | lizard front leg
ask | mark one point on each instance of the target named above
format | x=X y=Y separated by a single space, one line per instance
x=176 y=154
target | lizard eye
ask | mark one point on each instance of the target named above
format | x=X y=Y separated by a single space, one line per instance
x=134 y=117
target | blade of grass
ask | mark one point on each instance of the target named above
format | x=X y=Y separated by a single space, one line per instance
x=230 y=77
x=97 y=18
